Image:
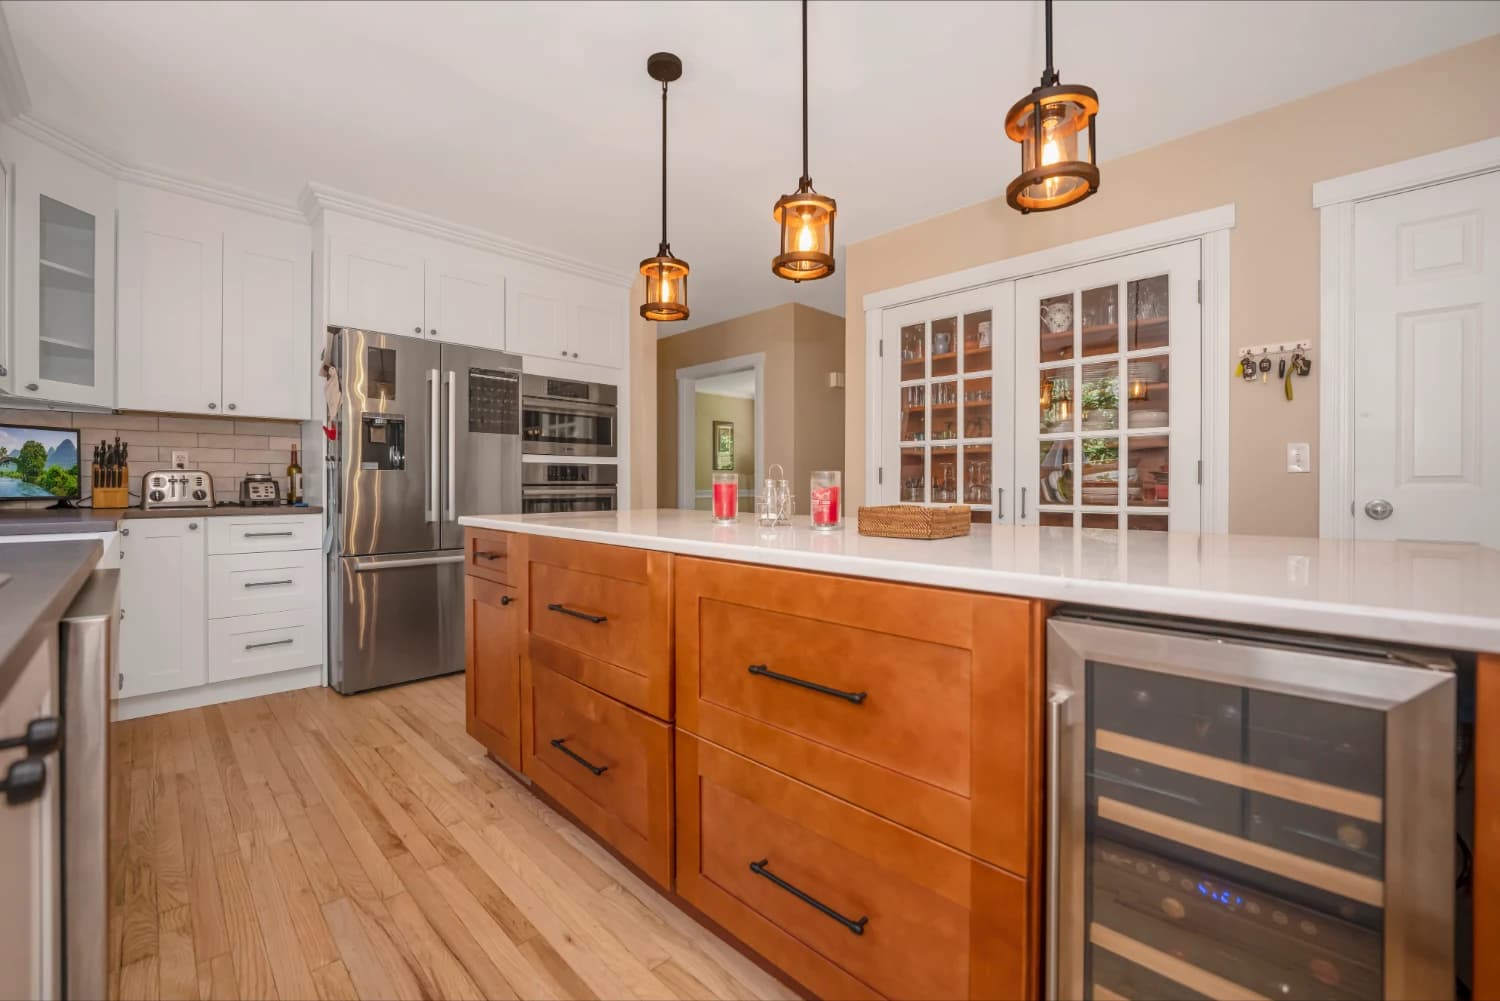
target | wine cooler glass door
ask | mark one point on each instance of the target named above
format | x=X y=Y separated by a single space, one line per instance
x=1246 y=819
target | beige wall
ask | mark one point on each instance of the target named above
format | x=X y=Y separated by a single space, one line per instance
x=783 y=333
x=642 y=402
x=708 y=408
x=1266 y=164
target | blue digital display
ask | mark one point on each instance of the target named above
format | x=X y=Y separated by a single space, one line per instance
x=1222 y=896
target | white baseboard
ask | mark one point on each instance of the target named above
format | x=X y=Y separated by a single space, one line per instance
x=224 y=691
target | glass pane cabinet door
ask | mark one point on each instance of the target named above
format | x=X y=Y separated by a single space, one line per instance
x=1117 y=441
x=946 y=438
x=64 y=288
x=1228 y=826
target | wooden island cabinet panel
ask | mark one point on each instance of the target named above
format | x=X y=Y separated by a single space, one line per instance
x=844 y=901
x=495 y=630
x=919 y=704
x=496 y=556
x=602 y=616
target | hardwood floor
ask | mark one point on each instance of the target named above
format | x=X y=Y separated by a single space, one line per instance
x=309 y=845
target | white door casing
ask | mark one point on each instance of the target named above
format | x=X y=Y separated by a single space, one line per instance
x=687 y=390
x=267 y=320
x=1426 y=310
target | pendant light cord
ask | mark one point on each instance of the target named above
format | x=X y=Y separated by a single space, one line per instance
x=1049 y=75
x=806 y=180
x=663 y=251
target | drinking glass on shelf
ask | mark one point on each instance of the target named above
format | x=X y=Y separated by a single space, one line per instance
x=726 y=497
x=825 y=499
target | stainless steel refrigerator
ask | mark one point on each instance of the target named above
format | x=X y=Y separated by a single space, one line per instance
x=426 y=432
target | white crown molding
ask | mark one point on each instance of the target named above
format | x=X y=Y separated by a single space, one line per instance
x=210 y=191
x=1418 y=172
x=319 y=198
x=14 y=100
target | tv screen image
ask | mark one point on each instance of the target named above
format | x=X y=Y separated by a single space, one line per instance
x=38 y=463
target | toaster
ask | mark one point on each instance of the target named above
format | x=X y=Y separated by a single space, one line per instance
x=259 y=488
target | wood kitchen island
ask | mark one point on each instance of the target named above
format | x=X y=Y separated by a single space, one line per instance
x=833 y=747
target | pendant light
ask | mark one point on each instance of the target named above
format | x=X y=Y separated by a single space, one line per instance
x=805 y=218
x=666 y=276
x=1055 y=126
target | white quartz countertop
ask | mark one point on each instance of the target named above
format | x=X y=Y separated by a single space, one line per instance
x=1422 y=594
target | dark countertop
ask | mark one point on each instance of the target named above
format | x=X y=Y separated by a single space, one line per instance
x=83 y=521
x=222 y=511
x=43 y=579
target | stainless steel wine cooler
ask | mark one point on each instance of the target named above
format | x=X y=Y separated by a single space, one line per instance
x=1242 y=815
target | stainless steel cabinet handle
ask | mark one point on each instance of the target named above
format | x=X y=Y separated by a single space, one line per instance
x=1057 y=698
x=1000 y=504
x=1379 y=509
x=267 y=583
x=268 y=535
x=256 y=646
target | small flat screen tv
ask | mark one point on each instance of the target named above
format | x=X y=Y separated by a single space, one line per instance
x=38 y=463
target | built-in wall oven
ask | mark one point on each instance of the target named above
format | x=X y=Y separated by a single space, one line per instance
x=1240 y=816
x=567 y=417
x=547 y=487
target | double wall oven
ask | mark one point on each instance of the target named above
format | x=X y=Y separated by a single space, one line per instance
x=1244 y=816
x=548 y=487
x=566 y=417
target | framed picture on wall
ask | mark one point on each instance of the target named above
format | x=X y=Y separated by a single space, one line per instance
x=723 y=446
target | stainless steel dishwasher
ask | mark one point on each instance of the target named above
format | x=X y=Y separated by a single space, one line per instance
x=1243 y=814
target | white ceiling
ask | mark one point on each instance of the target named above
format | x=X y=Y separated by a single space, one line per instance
x=537 y=121
x=739 y=384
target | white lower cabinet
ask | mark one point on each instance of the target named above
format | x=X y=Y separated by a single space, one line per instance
x=212 y=604
x=162 y=605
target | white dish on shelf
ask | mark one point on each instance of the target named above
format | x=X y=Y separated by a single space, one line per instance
x=1148 y=418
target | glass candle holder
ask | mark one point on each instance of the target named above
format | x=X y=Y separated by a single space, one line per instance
x=726 y=497
x=826 y=499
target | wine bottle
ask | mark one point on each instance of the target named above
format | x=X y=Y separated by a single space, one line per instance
x=294 y=480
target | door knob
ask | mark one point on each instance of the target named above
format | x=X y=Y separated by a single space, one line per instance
x=1379 y=509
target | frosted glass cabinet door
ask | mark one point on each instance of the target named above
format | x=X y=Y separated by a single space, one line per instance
x=64 y=282
x=1112 y=352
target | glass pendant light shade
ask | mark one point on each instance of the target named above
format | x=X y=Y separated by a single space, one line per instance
x=806 y=221
x=666 y=287
x=666 y=276
x=1055 y=125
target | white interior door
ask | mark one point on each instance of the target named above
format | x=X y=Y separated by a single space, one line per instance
x=947 y=402
x=1109 y=419
x=1427 y=331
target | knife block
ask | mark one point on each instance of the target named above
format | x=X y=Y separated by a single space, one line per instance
x=111 y=496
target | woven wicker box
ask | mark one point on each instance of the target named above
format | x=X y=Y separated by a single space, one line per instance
x=909 y=521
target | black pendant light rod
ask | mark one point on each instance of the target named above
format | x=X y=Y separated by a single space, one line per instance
x=1049 y=75
x=806 y=182
x=664 y=167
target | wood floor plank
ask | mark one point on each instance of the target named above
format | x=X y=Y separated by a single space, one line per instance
x=525 y=976
x=321 y=874
x=334 y=983
x=209 y=938
x=303 y=905
x=359 y=838
x=450 y=929
x=401 y=965
x=211 y=785
x=438 y=969
x=176 y=969
x=683 y=984
x=546 y=959
x=224 y=985
x=366 y=969
x=171 y=869
x=289 y=968
x=138 y=911
x=252 y=970
x=138 y=980
x=352 y=874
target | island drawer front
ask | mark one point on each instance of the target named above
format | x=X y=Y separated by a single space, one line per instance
x=602 y=615
x=496 y=556
x=927 y=706
x=607 y=764
x=494 y=627
x=858 y=906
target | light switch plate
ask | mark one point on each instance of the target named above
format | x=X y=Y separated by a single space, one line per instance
x=179 y=460
x=1298 y=457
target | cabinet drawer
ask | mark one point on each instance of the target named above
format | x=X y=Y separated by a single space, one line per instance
x=264 y=644
x=606 y=763
x=496 y=556
x=845 y=902
x=494 y=621
x=602 y=616
x=263 y=533
x=920 y=704
x=251 y=583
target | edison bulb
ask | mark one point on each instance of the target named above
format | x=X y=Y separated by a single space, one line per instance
x=667 y=291
x=806 y=239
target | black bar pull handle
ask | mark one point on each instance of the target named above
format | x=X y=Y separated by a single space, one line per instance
x=42 y=737
x=485 y=555
x=855 y=927
x=596 y=769
x=24 y=781
x=585 y=616
x=762 y=671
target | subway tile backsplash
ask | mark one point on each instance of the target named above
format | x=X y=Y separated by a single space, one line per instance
x=221 y=446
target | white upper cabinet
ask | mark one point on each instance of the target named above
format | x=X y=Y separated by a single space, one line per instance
x=215 y=309
x=536 y=315
x=62 y=346
x=267 y=319
x=598 y=324
x=171 y=303
x=377 y=282
x=465 y=301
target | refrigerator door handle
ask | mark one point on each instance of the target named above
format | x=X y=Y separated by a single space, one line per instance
x=432 y=446
x=1057 y=699
x=450 y=510
x=366 y=564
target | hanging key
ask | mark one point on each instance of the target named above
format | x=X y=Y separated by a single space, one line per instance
x=1281 y=368
x=1265 y=369
x=1247 y=369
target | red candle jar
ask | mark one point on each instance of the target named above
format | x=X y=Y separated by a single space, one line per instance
x=826 y=499
x=726 y=497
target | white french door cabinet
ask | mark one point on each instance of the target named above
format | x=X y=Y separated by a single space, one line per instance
x=1065 y=399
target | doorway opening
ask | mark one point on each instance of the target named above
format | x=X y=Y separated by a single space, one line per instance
x=720 y=428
